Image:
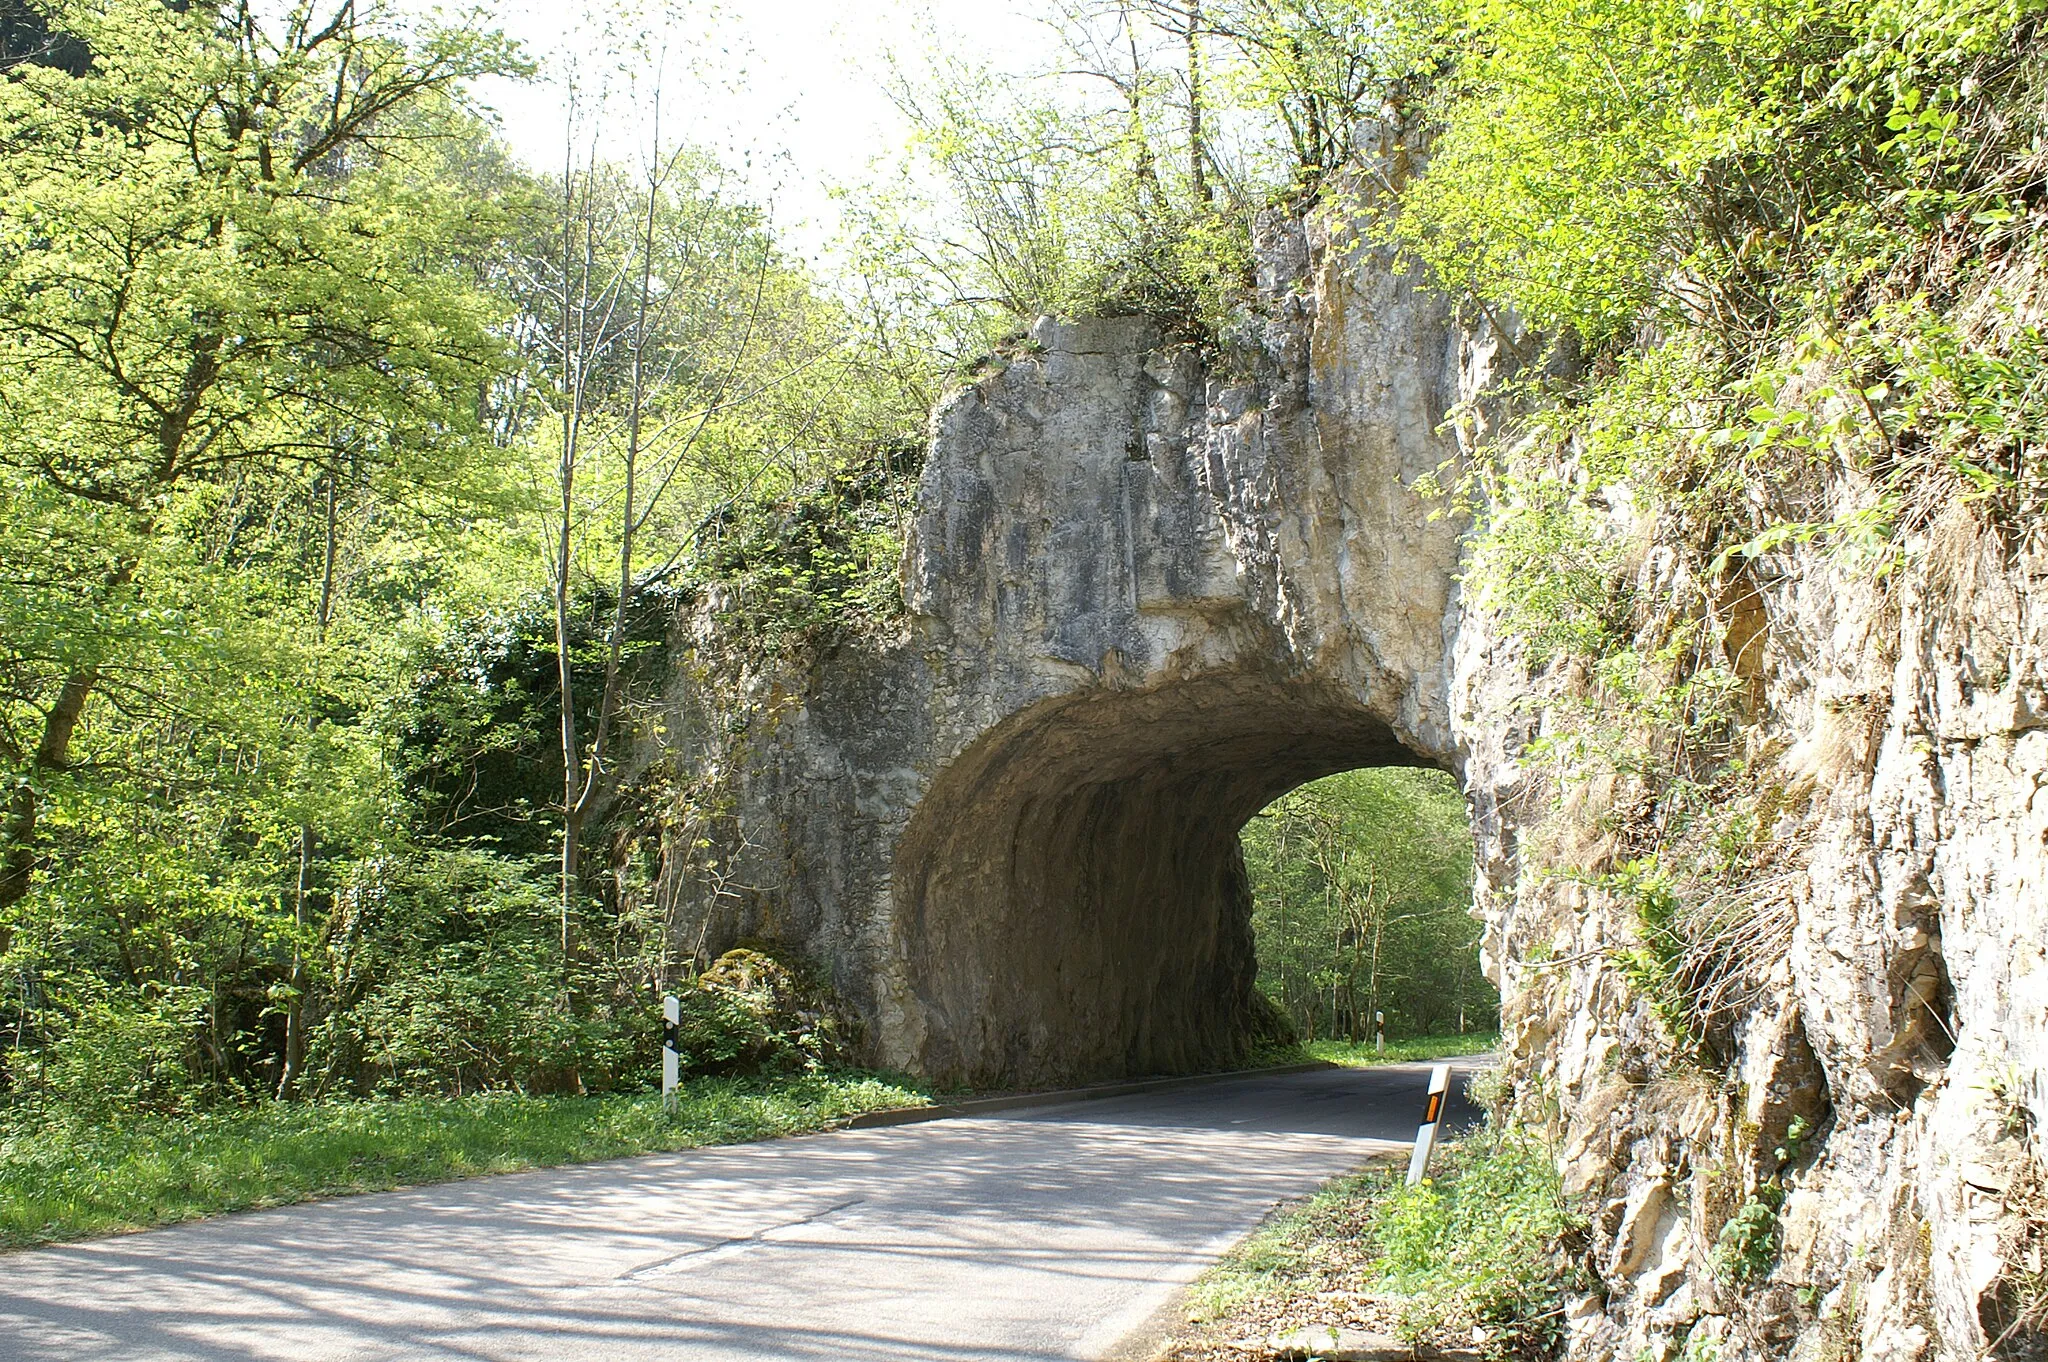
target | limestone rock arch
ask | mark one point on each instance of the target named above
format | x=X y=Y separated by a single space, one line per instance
x=1147 y=590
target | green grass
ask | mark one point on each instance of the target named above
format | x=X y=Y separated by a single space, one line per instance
x=66 y=1180
x=1319 y=1244
x=1487 y=1240
x=1404 y=1051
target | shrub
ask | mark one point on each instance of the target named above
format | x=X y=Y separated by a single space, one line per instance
x=124 y=1051
x=452 y=980
x=1747 y=1248
x=751 y=1013
x=1487 y=1241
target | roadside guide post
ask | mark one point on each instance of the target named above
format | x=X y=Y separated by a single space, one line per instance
x=1425 y=1138
x=671 y=1060
x=1379 y=1026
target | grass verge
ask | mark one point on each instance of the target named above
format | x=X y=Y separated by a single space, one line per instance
x=66 y=1180
x=1364 y=1056
x=1304 y=1251
x=1486 y=1243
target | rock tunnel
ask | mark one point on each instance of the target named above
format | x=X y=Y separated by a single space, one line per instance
x=1086 y=856
x=1147 y=590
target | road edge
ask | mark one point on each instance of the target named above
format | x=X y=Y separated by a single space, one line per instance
x=981 y=1106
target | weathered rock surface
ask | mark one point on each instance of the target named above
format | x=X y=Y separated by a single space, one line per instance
x=1902 y=1009
x=1148 y=590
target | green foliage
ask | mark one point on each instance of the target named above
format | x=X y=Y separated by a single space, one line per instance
x=1763 y=186
x=477 y=730
x=750 y=1013
x=123 y=1053
x=1774 y=300
x=1656 y=962
x=1621 y=156
x=1302 y=1250
x=1747 y=1247
x=73 y=1179
x=278 y=700
x=1406 y=1050
x=1488 y=1240
x=447 y=975
x=1361 y=891
x=241 y=342
x=813 y=566
x=1125 y=183
x=1317 y=68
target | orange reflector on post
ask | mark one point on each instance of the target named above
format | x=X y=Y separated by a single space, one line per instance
x=1425 y=1138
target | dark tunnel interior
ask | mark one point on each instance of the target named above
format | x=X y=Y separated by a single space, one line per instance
x=1072 y=890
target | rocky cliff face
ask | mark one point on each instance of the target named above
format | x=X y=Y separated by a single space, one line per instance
x=1148 y=590
x=1871 y=1116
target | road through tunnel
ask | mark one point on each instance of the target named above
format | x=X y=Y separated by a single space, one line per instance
x=1071 y=892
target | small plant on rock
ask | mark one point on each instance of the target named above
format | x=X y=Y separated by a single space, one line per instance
x=1747 y=1249
x=1748 y=1246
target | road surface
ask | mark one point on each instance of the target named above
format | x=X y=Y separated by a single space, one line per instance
x=1046 y=1233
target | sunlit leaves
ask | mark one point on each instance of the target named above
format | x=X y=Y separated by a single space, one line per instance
x=1361 y=886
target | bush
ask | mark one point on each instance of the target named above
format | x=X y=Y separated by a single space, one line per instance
x=1487 y=1241
x=463 y=987
x=123 y=1052
x=750 y=1013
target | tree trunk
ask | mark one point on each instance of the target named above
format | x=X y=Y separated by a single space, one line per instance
x=572 y=754
x=1198 y=178
x=295 y=1009
x=575 y=316
x=24 y=805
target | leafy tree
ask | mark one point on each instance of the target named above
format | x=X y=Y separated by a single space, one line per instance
x=223 y=264
x=1115 y=183
x=1362 y=890
x=680 y=368
x=241 y=346
x=1319 y=67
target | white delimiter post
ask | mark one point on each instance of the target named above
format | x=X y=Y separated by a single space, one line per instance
x=1425 y=1138
x=671 y=1061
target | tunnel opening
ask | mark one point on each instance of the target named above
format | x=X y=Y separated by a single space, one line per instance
x=1072 y=896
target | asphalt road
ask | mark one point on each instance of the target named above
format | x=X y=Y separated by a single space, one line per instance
x=1047 y=1233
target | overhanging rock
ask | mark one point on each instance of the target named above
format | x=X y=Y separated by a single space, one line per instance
x=1147 y=590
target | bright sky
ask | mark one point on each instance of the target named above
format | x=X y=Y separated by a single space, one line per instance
x=801 y=105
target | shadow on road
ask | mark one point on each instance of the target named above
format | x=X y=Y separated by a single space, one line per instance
x=1030 y=1235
